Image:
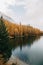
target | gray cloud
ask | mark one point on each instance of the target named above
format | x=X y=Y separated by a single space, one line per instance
x=26 y=11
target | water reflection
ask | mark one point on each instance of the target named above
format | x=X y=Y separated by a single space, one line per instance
x=5 y=52
x=23 y=41
x=31 y=54
x=14 y=44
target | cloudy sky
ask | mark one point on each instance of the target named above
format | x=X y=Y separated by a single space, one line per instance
x=24 y=11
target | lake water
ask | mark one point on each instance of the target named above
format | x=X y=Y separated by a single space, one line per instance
x=29 y=50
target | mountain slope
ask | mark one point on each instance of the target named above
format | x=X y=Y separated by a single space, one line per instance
x=19 y=30
x=6 y=17
x=15 y=29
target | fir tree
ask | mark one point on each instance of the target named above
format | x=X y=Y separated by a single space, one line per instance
x=3 y=31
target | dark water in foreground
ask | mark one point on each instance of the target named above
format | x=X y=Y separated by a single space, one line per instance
x=29 y=50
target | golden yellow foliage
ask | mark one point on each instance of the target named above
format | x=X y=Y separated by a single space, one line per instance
x=15 y=29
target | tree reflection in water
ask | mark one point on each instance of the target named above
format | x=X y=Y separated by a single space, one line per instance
x=23 y=41
x=5 y=51
x=6 y=47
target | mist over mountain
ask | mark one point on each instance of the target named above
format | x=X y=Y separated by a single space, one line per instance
x=19 y=29
x=6 y=17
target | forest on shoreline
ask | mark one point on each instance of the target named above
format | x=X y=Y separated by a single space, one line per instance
x=16 y=30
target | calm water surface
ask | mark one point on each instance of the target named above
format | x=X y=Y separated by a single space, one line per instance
x=29 y=50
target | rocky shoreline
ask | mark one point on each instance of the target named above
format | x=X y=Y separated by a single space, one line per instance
x=12 y=61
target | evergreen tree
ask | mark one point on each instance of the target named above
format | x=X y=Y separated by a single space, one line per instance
x=3 y=31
